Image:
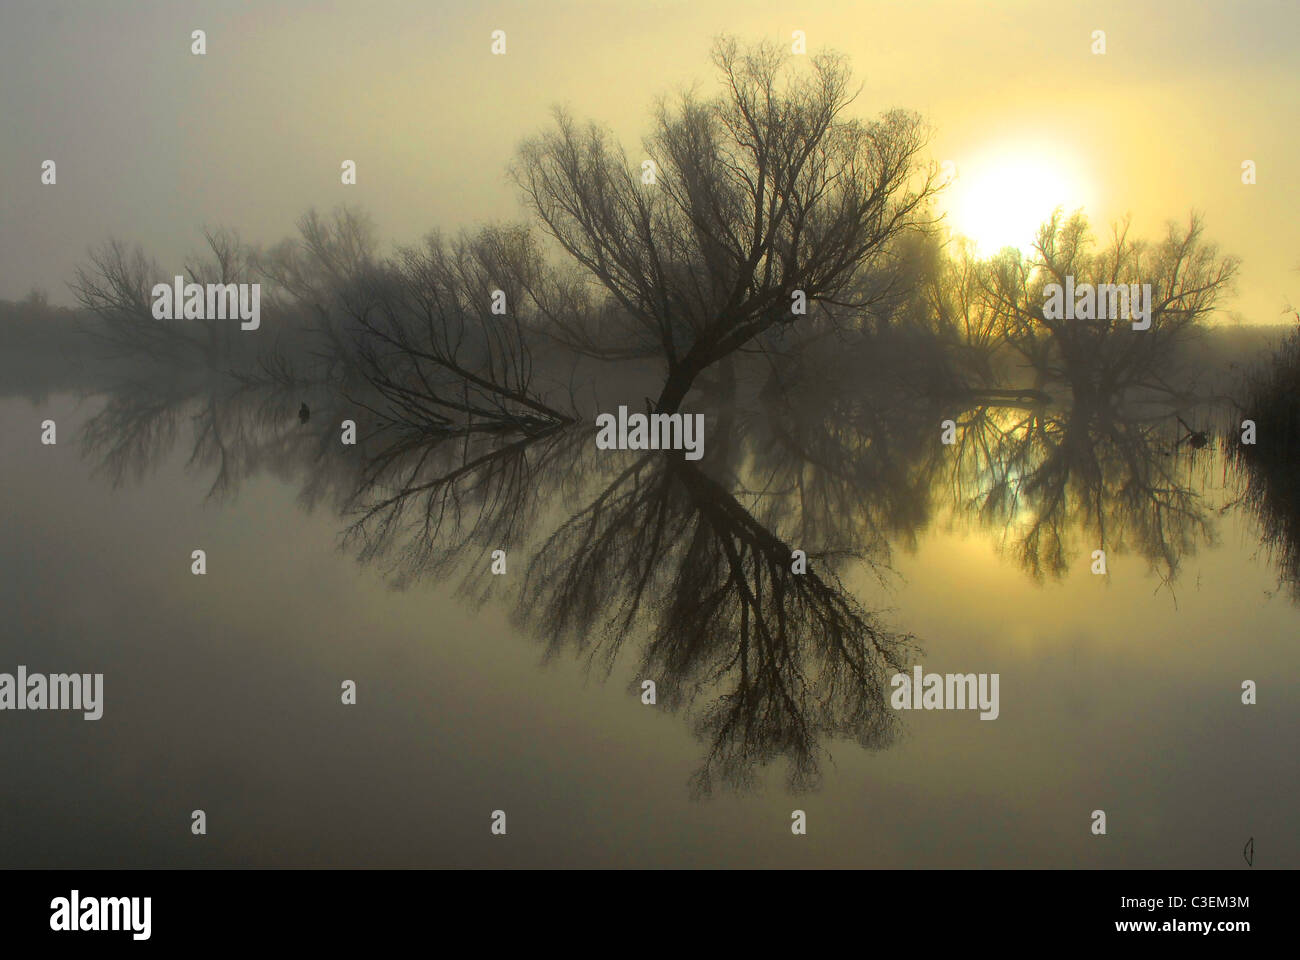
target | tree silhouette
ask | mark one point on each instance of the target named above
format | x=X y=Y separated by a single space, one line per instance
x=1263 y=473
x=1187 y=275
x=759 y=192
x=474 y=430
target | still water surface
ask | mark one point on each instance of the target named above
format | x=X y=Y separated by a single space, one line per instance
x=1119 y=693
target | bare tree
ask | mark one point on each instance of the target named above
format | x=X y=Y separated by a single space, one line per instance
x=115 y=285
x=435 y=347
x=762 y=191
x=1103 y=356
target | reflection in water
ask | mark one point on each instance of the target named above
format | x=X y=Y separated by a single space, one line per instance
x=1264 y=471
x=1088 y=477
x=828 y=444
x=472 y=370
x=785 y=660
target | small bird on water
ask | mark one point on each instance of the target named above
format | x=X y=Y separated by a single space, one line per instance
x=1197 y=438
x=303 y=413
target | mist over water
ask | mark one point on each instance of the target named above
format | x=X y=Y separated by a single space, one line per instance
x=627 y=496
x=1114 y=690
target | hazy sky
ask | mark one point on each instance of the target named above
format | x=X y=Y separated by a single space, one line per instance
x=152 y=143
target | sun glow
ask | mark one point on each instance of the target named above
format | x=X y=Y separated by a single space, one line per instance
x=1001 y=198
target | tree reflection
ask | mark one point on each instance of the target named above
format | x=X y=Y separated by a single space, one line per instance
x=474 y=425
x=1262 y=466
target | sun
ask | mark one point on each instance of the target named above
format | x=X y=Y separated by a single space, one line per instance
x=1001 y=197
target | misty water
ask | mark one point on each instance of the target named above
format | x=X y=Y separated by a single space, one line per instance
x=522 y=692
